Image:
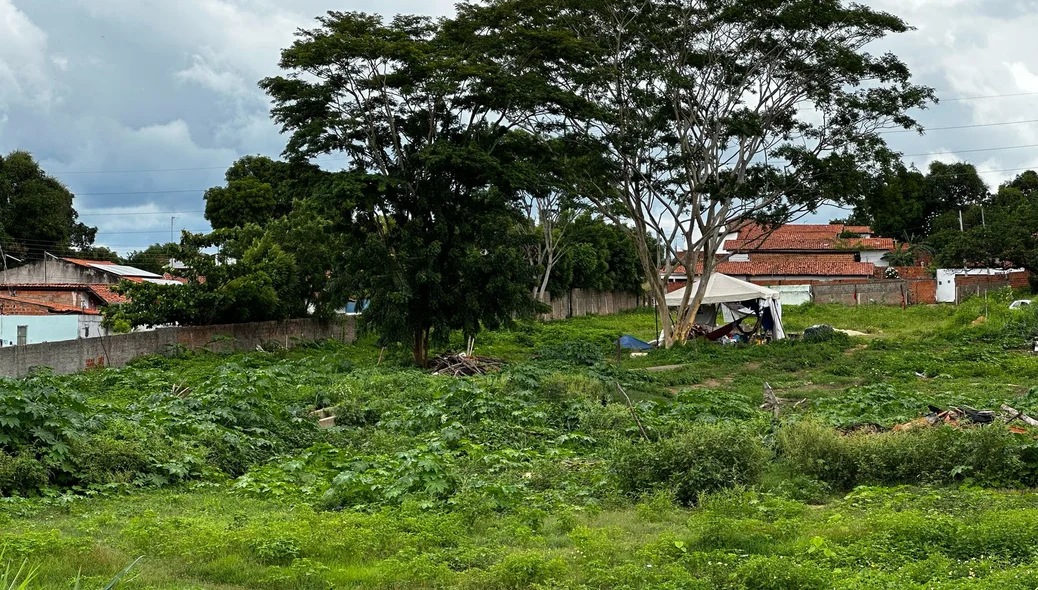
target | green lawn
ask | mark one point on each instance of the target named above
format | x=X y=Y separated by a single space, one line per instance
x=213 y=470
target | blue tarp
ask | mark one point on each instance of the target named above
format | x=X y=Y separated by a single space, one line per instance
x=631 y=343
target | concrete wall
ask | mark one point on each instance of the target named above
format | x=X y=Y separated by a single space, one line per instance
x=55 y=271
x=794 y=294
x=582 y=302
x=879 y=292
x=115 y=351
x=39 y=328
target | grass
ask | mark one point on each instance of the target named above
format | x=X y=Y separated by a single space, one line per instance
x=513 y=482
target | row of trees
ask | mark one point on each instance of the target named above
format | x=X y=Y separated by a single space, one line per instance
x=949 y=213
x=674 y=119
x=286 y=244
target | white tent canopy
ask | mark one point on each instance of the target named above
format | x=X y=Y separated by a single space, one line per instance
x=723 y=289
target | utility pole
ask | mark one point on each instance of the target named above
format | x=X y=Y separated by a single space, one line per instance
x=171 y=220
x=960 y=221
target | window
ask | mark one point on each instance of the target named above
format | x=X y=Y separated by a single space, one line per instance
x=23 y=335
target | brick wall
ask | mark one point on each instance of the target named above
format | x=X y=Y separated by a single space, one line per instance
x=50 y=296
x=71 y=356
x=922 y=291
x=906 y=272
x=973 y=285
x=8 y=307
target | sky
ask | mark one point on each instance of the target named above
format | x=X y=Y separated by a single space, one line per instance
x=138 y=106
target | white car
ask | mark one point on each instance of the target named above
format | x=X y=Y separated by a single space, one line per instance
x=1019 y=303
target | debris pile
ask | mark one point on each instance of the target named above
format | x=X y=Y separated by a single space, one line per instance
x=462 y=365
x=951 y=416
x=773 y=403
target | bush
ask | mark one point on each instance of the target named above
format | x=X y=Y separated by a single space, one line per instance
x=988 y=455
x=577 y=352
x=777 y=573
x=705 y=458
x=21 y=474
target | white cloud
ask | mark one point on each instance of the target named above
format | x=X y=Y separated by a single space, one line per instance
x=23 y=47
x=203 y=73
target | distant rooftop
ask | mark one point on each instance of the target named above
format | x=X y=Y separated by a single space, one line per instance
x=115 y=269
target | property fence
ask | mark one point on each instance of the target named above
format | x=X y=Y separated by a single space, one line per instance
x=71 y=356
x=581 y=302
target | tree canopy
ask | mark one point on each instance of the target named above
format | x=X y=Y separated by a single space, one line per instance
x=705 y=114
x=36 y=212
x=428 y=206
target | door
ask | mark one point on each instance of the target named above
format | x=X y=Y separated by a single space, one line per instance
x=23 y=335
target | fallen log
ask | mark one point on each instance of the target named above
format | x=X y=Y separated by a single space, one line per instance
x=1015 y=414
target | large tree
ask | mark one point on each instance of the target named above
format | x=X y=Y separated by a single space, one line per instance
x=37 y=213
x=259 y=190
x=428 y=203
x=712 y=113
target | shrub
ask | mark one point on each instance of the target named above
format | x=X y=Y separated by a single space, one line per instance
x=577 y=352
x=562 y=386
x=940 y=455
x=40 y=412
x=21 y=474
x=778 y=573
x=526 y=570
x=705 y=458
x=819 y=451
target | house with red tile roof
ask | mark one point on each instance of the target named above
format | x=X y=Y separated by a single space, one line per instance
x=30 y=321
x=61 y=298
x=801 y=254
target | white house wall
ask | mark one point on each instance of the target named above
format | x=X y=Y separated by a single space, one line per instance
x=39 y=328
x=875 y=257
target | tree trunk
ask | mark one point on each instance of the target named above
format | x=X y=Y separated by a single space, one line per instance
x=420 y=347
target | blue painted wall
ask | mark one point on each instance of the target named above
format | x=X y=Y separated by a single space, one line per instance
x=41 y=328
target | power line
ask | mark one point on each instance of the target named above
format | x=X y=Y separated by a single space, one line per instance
x=988 y=96
x=139 y=213
x=152 y=170
x=961 y=126
x=157 y=231
x=995 y=149
x=192 y=190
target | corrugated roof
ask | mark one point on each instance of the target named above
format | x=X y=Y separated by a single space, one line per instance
x=113 y=268
x=53 y=307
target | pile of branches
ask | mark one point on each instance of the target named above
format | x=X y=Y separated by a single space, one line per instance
x=462 y=365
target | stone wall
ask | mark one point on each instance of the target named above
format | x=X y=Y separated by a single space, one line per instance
x=582 y=302
x=71 y=356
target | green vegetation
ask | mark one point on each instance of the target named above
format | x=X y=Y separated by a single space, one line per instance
x=212 y=467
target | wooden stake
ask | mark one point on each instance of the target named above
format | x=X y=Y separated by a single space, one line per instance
x=633 y=412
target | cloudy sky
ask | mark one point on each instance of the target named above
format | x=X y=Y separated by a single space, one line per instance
x=140 y=105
